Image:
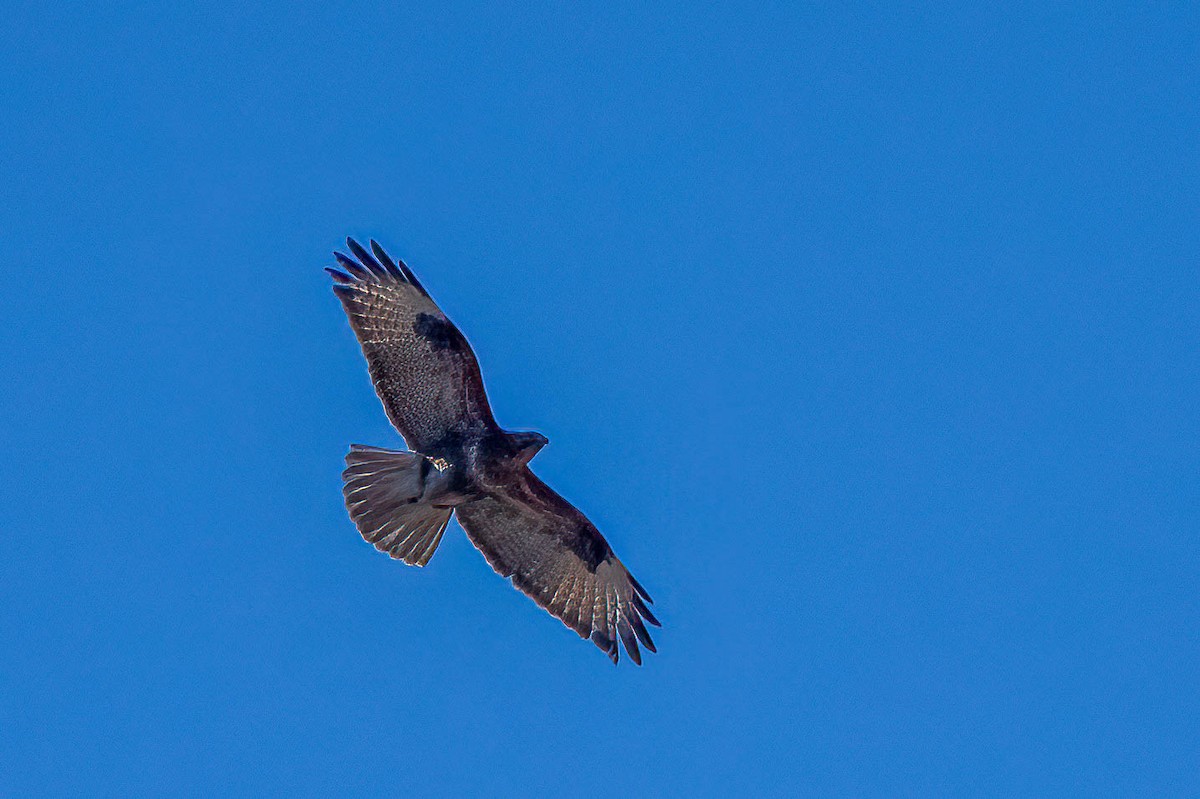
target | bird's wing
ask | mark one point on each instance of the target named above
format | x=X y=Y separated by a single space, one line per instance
x=423 y=368
x=559 y=559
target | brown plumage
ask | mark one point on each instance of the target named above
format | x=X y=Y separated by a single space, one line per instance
x=464 y=463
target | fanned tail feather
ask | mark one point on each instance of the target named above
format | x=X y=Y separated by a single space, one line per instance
x=387 y=496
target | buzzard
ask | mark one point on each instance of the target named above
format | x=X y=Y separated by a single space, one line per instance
x=463 y=463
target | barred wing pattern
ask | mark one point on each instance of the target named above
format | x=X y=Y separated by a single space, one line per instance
x=556 y=556
x=423 y=368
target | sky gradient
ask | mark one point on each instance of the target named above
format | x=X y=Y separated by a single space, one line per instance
x=868 y=338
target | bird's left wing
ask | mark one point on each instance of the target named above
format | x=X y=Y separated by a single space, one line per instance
x=558 y=558
x=423 y=368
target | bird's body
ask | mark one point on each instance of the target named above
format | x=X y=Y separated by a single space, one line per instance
x=464 y=463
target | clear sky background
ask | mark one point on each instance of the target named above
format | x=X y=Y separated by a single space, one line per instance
x=869 y=338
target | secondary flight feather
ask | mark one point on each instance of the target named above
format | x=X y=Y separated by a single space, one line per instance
x=464 y=464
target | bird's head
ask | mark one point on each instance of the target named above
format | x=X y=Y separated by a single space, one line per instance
x=527 y=444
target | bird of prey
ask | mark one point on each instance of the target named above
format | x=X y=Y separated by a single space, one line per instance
x=463 y=463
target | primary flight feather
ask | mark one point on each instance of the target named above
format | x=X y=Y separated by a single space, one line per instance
x=463 y=463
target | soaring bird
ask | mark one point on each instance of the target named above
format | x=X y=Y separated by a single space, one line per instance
x=464 y=464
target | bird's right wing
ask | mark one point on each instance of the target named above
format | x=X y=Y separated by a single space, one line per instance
x=555 y=556
x=423 y=368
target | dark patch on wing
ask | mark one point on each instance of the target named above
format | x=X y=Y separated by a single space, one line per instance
x=439 y=332
x=591 y=549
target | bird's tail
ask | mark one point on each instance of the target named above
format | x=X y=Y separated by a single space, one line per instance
x=398 y=501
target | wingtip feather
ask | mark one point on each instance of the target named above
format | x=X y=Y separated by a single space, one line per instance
x=366 y=259
x=353 y=267
x=638 y=587
x=386 y=260
x=644 y=611
x=346 y=293
x=641 y=632
x=630 y=641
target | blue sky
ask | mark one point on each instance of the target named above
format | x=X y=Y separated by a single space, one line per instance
x=868 y=338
